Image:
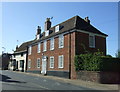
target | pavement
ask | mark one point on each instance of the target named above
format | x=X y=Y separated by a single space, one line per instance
x=79 y=82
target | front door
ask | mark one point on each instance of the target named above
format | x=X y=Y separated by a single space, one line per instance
x=22 y=65
x=44 y=65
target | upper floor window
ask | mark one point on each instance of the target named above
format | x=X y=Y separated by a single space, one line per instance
x=45 y=45
x=38 y=36
x=29 y=50
x=52 y=44
x=61 y=41
x=39 y=47
x=46 y=32
x=51 y=62
x=57 y=28
x=38 y=62
x=61 y=61
x=92 y=41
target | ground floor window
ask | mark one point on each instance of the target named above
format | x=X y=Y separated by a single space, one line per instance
x=38 y=63
x=21 y=63
x=51 y=62
x=61 y=61
x=29 y=63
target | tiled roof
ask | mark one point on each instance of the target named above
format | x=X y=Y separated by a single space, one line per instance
x=73 y=23
x=23 y=47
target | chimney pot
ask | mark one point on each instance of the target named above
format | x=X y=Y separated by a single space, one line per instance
x=38 y=32
x=47 y=24
x=87 y=19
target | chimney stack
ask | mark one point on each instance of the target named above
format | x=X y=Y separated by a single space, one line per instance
x=38 y=32
x=16 y=47
x=87 y=20
x=47 y=24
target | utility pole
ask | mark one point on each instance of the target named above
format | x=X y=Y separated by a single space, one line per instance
x=3 y=50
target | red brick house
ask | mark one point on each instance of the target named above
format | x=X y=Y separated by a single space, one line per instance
x=53 y=51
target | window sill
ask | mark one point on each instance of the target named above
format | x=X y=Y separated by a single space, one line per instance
x=60 y=67
x=51 y=67
x=61 y=47
x=51 y=49
x=92 y=46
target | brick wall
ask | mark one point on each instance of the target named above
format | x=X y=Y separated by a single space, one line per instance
x=99 y=77
x=72 y=46
x=83 y=38
x=56 y=52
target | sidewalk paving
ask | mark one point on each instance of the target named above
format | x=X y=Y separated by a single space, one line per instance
x=87 y=84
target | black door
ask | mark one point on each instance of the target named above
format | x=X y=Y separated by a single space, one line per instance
x=22 y=65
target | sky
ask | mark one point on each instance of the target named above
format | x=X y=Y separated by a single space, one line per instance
x=20 y=20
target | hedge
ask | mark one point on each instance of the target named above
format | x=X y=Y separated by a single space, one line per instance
x=96 y=62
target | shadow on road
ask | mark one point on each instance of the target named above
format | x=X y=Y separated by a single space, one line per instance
x=5 y=78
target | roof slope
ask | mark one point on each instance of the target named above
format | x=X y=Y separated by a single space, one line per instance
x=75 y=22
x=83 y=25
x=23 y=46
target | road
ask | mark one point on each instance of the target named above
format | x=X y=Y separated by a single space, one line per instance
x=20 y=81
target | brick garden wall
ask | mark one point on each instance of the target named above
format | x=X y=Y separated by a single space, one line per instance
x=99 y=77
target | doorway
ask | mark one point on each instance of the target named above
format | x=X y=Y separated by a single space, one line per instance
x=44 y=65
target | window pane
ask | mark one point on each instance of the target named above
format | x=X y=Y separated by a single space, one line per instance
x=91 y=41
x=38 y=47
x=52 y=44
x=60 y=61
x=61 y=41
x=45 y=45
x=38 y=63
x=51 y=62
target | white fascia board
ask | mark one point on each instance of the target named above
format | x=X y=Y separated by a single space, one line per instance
x=82 y=31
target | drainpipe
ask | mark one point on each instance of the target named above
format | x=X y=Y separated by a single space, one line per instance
x=69 y=55
x=26 y=60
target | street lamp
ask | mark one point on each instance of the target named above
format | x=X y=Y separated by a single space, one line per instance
x=4 y=50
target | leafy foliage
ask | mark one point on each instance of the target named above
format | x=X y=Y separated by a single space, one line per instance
x=96 y=62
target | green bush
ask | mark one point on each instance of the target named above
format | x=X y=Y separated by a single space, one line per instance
x=96 y=62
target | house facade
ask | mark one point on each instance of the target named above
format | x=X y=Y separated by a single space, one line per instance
x=19 y=58
x=53 y=51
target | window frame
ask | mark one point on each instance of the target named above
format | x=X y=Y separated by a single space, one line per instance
x=44 y=45
x=61 y=60
x=52 y=57
x=39 y=47
x=52 y=43
x=29 y=63
x=92 y=45
x=29 y=50
x=57 y=28
x=61 y=40
x=38 y=62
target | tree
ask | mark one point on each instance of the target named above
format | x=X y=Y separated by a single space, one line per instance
x=118 y=54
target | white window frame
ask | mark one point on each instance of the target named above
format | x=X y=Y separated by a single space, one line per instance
x=45 y=45
x=38 y=62
x=61 y=41
x=29 y=50
x=57 y=28
x=52 y=43
x=92 y=45
x=38 y=36
x=51 y=62
x=46 y=33
x=39 y=47
x=61 y=61
x=29 y=63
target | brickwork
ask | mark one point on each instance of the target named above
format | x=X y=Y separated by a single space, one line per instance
x=72 y=46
